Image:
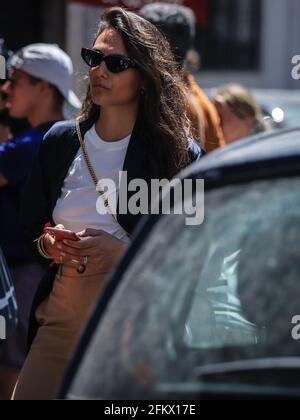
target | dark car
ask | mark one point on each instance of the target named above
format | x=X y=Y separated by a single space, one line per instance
x=208 y=311
x=8 y=304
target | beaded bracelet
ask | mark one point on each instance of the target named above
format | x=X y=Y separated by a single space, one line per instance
x=41 y=247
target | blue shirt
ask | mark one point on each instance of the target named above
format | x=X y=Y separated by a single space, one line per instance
x=16 y=159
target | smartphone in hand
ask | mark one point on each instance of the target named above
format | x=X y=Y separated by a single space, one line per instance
x=61 y=235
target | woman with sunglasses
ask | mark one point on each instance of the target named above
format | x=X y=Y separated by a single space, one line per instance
x=134 y=120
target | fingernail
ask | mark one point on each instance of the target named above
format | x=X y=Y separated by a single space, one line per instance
x=66 y=242
x=62 y=254
x=59 y=246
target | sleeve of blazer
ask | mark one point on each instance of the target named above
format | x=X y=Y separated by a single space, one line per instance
x=36 y=206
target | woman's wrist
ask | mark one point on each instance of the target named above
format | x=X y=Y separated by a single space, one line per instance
x=47 y=241
x=42 y=248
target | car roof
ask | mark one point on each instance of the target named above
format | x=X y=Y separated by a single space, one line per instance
x=251 y=154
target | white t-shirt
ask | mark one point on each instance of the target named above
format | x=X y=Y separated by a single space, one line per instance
x=76 y=209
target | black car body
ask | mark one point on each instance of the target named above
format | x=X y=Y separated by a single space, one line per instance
x=207 y=311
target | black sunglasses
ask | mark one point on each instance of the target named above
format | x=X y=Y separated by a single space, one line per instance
x=115 y=63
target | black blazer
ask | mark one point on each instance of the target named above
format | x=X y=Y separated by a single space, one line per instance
x=56 y=154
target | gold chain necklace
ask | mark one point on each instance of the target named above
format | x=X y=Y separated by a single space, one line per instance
x=93 y=174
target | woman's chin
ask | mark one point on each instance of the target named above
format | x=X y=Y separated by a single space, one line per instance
x=101 y=101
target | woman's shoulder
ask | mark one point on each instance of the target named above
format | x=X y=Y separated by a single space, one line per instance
x=60 y=138
x=60 y=129
x=59 y=146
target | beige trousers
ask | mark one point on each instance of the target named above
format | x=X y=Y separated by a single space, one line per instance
x=61 y=317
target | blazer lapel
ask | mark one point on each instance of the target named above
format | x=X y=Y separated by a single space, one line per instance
x=135 y=166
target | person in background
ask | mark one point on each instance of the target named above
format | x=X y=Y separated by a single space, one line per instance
x=8 y=126
x=178 y=24
x=240 y=114
x=38 y=85
x=5 y=130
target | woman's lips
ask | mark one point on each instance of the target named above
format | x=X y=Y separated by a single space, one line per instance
x=99 y=86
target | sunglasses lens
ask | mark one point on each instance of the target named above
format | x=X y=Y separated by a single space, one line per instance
x=116 y=64
x=92 y=58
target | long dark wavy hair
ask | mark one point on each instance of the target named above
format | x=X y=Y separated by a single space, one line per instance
x=163 y=105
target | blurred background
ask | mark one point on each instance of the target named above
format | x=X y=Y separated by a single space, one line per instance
x=251 y=42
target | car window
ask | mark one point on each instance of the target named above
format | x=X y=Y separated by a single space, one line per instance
x=224 y=291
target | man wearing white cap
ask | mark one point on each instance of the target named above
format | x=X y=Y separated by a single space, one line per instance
x=39 y=84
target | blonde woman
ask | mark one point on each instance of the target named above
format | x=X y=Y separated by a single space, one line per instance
x=240 y=115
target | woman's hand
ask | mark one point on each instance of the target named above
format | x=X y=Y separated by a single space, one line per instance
x=53 y=246
x=101 y=248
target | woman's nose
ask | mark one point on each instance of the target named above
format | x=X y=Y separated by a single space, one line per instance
x=101 y=70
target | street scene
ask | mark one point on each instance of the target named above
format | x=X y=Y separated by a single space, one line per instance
x=149 y=202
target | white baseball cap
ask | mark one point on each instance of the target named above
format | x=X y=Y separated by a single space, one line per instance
x=48 y=62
